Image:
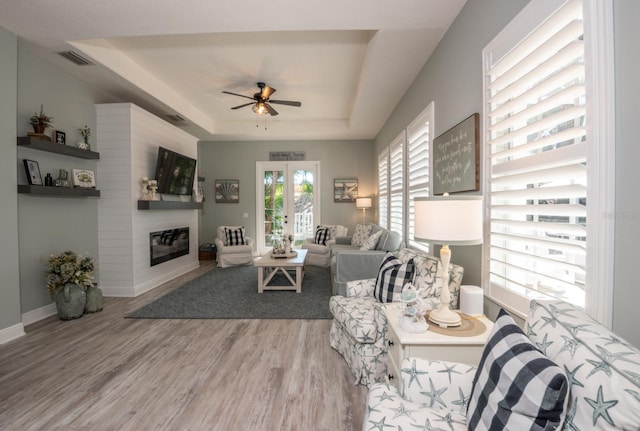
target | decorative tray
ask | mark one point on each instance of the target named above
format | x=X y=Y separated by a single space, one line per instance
x=284 y=255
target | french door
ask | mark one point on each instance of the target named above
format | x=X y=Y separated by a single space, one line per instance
x=288 y=201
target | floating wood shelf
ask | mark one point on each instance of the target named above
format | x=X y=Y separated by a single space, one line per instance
x=52 y=147
x=57 y=191
x=169 y=205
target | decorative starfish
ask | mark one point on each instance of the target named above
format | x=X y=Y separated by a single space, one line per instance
x=379 y=425
x=599 y=366
x=413 y=374
x=463 y=401
x=402 y=411
x=434 y=394
x=601 y=407
x=570 y=344
x=449 y=370
x=572 y=376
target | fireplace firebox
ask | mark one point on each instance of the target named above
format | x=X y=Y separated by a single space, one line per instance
x=168 y=244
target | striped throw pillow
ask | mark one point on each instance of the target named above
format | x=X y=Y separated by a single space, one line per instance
x=234 y=236
x=323 y=234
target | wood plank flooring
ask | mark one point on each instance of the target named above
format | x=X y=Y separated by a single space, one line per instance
x=105 y=372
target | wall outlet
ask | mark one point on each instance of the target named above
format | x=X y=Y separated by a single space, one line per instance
x=245 y=215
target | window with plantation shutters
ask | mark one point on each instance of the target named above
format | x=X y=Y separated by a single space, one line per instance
x=418 y=176
x=540 y=188
x=396 y=185
x=383 y=189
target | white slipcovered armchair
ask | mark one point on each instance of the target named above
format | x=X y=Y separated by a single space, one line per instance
x=229 y=254
x=320 y=254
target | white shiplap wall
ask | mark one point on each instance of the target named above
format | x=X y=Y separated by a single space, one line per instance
x=128 y=140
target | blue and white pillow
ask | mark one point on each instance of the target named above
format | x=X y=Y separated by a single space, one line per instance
x=515 y=387
x=323 y=234
x=371 y=242
x=392 y=276
x=234 y=236
x=360 y=235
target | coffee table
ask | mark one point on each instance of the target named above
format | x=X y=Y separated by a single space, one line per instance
x=269 y=266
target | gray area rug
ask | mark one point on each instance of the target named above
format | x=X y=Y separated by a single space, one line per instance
x=232 y=293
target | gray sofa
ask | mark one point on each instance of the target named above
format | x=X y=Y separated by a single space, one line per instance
x=356 y=263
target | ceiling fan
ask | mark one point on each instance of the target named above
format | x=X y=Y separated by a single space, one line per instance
x=261 y=102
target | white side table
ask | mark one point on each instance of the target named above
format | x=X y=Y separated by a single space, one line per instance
x=429 y=345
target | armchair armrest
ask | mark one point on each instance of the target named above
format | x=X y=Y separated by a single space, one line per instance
x=220 y=243
x=360 y=288
x=440 y=384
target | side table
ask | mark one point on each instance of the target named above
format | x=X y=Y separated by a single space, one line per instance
x=429 y=345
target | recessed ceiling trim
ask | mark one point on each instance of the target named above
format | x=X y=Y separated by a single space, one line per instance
x=76 y=58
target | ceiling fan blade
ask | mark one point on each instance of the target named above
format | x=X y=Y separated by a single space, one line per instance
x=240 y=95
x=270 y=109
x=242 y=106
x=267 y=92
x=286 y=102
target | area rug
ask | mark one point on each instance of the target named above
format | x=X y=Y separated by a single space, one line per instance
x=232 y=293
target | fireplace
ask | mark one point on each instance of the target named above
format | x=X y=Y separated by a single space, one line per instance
x=168 y=244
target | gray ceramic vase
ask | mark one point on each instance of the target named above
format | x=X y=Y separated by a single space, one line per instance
x=94 y=299
x=70 y=301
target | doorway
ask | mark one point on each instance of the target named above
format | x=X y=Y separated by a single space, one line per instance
x=288 y=202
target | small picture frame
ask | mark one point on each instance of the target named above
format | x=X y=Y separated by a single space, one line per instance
x=59 y=137
x=345 y=189
x=227 y=191
x=33 y=172
x=83 y=179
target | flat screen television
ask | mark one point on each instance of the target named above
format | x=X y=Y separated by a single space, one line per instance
x=174 y=172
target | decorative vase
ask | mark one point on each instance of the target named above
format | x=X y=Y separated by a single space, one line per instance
x=70 y=301
x=94 y=299
x=38 y=128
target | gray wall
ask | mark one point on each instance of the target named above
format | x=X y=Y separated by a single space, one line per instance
x=10 y=284
x=237 y=160
x=51 y=225
x=452 y=78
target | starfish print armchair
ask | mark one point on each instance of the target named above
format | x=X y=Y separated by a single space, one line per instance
x=597 y=387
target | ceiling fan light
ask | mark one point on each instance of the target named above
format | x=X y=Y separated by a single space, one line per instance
x=259 y=108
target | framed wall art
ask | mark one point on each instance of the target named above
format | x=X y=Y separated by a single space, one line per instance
x=227 y=191
x=59 y=137
x=345 y=189
x=83 y=179
x=456 y=158
x=33 y=172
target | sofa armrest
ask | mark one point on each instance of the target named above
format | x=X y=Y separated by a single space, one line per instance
x=440 y=384
x=357 y=265
x=360 y=288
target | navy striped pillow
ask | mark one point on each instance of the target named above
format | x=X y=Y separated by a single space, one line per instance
x=515 y=387
x=234 y=236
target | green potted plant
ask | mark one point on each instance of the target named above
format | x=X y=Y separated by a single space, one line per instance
x=40 y=121
x=70 y=284
x=85 y=133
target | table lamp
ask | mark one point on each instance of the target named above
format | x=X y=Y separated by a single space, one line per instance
x=448 y=220
x=364 y=204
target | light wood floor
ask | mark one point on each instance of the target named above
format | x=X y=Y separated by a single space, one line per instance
x=105 y=372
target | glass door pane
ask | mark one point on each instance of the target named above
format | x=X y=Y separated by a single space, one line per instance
x=273 y=181
x=303 y=205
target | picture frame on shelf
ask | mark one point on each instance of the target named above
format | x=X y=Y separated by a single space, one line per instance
x=227 y=191
x=33 y=172
x=345 y=189
x=83 y=179
x=59 y=137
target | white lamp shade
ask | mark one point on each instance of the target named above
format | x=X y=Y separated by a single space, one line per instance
x=450 y=220
x=363 y=202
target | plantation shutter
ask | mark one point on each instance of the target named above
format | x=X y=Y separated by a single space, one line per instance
x=418 y=139
x=537 y=156
x=383 y=189
x=396 y=189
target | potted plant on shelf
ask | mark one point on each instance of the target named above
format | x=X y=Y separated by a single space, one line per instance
x=70 y=284
x=40 y=121
x=85 y=133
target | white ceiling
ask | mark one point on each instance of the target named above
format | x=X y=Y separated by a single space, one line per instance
x=348 y=61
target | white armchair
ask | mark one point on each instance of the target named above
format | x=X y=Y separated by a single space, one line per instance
x=230 y=255
x=320 y=254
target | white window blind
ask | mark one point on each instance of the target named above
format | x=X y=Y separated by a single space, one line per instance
x=396 y=185
x=537 y=144
x=383 y=189
x=418 y=176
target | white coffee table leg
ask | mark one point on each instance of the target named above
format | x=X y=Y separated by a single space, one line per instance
x=298 y=279
x=260 y=279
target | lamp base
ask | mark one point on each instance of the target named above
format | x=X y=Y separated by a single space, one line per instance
x=444 y=318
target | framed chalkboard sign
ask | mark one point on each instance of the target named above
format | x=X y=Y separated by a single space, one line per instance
x=456 y=159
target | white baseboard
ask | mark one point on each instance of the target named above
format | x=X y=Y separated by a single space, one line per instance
x=11 y=333
x=38 y=314
x=139 y=289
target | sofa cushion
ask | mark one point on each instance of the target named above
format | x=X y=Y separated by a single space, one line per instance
x=392 y=276
x=322 y=235
x=370 y=243
x=360 y=235
x=603 y=368
x=515 y=387
x=389 y=241
x=234 y=236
